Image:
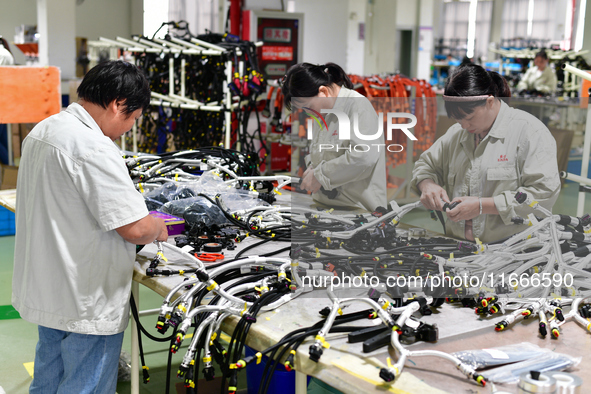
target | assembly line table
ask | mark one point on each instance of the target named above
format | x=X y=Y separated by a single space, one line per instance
x=345 y=367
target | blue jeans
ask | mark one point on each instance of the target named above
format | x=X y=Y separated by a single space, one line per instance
x=66 y=362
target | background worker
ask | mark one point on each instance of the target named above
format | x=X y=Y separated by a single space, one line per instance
x=357 y=175
x=539 y=78
x=78 y=220
x=6 y=58
x=492 y=152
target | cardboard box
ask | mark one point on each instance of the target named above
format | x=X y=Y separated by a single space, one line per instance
x=8 y=178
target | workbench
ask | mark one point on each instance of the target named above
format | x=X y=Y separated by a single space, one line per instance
x=345 y=367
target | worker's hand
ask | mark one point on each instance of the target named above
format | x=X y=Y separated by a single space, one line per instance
x=309 y=181
x=163 y=235
x=433 y=196
x=468 y=208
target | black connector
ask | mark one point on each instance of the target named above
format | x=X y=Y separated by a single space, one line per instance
x=209 y=373
x=585 y=311
x=202 y=276
x=182 y=371
x=325 y=311
x=146 y=375
x=517 y=220
x=161 y=325
x=387 y=375
x=543 y=330
x=520 y=197
x=315 y=353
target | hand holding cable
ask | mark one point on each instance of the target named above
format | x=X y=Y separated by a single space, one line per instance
x=433 y=196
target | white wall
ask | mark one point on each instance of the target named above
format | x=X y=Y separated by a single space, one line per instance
x=355 y=45
x=107 y=18
x=380 y=37
x=14 y=13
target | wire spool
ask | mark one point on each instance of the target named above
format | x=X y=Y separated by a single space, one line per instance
x=567 y=383
x=213 y=247
x=534 y=382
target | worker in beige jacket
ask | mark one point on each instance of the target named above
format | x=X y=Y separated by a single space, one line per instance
x=492 y=152
x=539 y=78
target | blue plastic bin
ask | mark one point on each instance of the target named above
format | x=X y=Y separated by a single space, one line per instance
x=6 y=222
x=283 y=382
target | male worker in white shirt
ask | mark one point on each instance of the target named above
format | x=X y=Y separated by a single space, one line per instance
x=78 y=221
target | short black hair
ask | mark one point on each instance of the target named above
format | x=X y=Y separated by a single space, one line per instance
x=473 y=80
x=116 y=80
x=542 y=53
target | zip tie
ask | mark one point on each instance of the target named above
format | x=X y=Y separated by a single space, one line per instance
x=176 y=177
x=162 y=256
x=340 y=311
x=323 y=341
x=141 y=188
x=533 y=203
x=295 y=264
x=259 y=357
x=244 y=310
x=182 y=308
x=206 y=359
x=145 y=367
x=480 y=245
x=181 y=272
x=212 y=286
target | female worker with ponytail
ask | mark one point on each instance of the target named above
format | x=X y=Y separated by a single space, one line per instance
x=343 y=169
x=492 y=152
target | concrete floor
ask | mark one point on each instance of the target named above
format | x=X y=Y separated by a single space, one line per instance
x=18 y=337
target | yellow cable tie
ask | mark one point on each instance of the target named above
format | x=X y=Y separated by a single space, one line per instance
x=182 y=308
x=323 y=341
x=176 y=177
x=141 y=187
x=417 y=272
x=533 y=203
x=451 y=256
x=244 y=310
x=181 y=272
x=212 y=286
x=206 y=359
x=295 y=264
x=281 y=275
x=293 y=352
x=214 y=336
x=259 y=357
x=340 y=311
x=362 y=274
x=145 y=367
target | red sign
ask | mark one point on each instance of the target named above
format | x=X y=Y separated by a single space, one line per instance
x=277 y=53
x=276 y=34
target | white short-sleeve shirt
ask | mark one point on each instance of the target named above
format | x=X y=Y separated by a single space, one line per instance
x=72 y=270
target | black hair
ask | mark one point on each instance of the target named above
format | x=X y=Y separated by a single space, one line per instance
x=473 y=80
x=304 y=80
x=116 y=80
x=542 y=53
x=4 y=43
